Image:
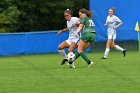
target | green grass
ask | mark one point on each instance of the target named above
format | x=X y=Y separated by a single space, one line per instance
x=43 y=74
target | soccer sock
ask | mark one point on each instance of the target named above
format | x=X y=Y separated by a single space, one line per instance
x=77 y=55
x=119 y=48
x=63 y=53
x=82 y=54
x=106 y=52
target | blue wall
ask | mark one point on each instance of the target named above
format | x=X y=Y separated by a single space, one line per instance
x=127 y=10
x=30 y=43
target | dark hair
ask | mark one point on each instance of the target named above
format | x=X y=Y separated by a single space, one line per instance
x=69 y=12
x=113 y=9
x=87 y=12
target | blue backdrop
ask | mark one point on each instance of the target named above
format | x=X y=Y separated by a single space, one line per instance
x=31 y=43
x=127 y=10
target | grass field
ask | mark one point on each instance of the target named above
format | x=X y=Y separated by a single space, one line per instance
x=43 y=74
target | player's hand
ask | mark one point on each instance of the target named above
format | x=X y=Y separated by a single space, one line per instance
x=59 y=32
x=115 y=27
x=76 y=34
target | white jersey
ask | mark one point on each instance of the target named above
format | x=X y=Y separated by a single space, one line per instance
x=112 y=21
x=72 y=29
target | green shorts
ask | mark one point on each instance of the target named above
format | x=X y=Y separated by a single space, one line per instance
x=88 y=37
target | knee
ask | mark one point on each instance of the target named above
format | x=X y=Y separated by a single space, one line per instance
x=79 y=51
x=60 y=47
x=113 y=46
x=70 y=50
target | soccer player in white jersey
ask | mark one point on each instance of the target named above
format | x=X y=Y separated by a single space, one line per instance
x=71 y=42
x=112 y=22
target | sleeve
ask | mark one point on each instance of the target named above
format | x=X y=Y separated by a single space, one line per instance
x=107 y=20
x=82 y=21
x=77 y=21
x=117 y=19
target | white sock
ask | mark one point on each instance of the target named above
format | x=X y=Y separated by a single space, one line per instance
x=63 y=53
x=106 y=52
x=119 y=48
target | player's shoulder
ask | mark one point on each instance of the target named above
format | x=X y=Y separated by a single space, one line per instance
x=86 y=18
x=108 y=17
x=74 y=18
x=114 y=16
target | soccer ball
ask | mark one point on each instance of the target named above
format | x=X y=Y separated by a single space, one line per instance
x=71 y=56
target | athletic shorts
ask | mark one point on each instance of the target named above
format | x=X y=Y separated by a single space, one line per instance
x=88 y=37
x=111 y=34
x=70 y=40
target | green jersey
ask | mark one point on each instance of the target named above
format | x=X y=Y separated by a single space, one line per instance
x=88 y=24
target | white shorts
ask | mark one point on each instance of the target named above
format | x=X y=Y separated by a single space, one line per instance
x=70 y=40
x=111 y=35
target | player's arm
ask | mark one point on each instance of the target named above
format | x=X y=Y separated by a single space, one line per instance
x=77 y=22
x=82 y=22
x=106 y=24
x=79 y=29
x=63 y=30
x=120 y=23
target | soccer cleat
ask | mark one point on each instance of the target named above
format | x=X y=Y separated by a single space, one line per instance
x=124 y=52
x=89 y=65
x=71 y=65
x=64 y=61
x=103 y=58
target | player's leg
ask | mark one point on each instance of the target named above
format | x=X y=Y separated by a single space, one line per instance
x=71 y=48
x=111 y=36
x=73 y=45
x=88 y=45
x=81 y=48
x=86 y=40
x=113 y=45
x=77 y=54
x=108 y=44
x=62 y=51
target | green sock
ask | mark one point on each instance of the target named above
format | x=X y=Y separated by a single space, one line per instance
x=82 y=54
x=77 y=55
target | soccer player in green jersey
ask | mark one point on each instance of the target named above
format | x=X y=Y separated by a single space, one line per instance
x=88 y=35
